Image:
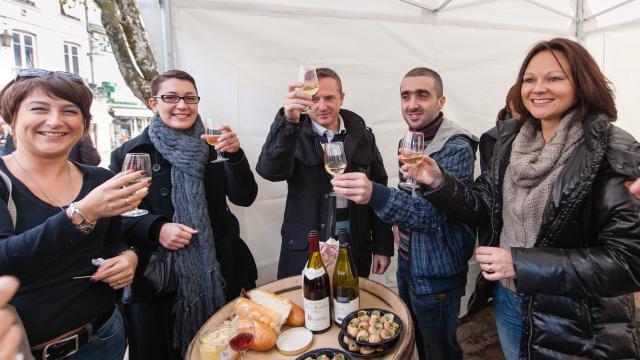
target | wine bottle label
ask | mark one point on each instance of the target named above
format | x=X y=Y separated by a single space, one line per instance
x=316 y=314
x=312 y=273
x=343 y=307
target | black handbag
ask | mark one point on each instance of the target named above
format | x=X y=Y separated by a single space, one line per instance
x=155 y=275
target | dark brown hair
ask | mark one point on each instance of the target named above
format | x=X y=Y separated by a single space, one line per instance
x=593 y=91
x=171 y=74
x=423 y=71
x=328 y=73
x=510 y=100
x=55 y=85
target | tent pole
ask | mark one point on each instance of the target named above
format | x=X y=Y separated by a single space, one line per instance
x=167 y=35
x=609 y=9
x=410 y=2
x=442 y=6
x=580 y=21
x=550 y=9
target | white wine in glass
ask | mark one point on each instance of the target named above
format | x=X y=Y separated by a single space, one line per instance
x=309 y=78
x=335 y=161
x=212 y=135
x=137 y=162
x=411 y=153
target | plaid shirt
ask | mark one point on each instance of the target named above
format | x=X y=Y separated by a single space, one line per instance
x=440 y=247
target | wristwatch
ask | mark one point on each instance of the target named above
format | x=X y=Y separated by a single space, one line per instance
x=80 y=219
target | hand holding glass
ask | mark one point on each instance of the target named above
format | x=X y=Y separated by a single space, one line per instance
x=411 y=153
x=137 y=162
x=211 y=135
x=335 y=161
x=309 y=78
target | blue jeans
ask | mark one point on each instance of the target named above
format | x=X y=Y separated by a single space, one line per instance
x=108 y=342
x=435 y=317
x=508 y=307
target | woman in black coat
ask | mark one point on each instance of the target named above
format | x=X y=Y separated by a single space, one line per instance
x=187 y=186
x=563 y=247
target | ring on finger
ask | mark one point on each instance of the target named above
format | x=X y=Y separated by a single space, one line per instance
x=490 y=268
x=127 y=201
x=118 y=283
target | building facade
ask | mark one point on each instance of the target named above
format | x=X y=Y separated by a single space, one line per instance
x=70 y=37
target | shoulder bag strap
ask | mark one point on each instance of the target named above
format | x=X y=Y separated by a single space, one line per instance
x=10 y=204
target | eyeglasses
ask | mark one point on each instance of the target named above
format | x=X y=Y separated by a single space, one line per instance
x=36 y=73
x=174 y=99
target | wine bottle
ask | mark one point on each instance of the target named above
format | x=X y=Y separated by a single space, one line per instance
x=346 y=294
x=315 y=290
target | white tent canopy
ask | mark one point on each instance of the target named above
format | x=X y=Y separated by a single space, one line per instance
x=244 y=54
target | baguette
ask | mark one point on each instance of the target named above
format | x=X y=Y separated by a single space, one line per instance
x=288 y=311
x=248 y=309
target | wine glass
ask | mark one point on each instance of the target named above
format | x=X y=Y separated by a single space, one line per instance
x=211 y=135
x=137 y=162
x=411 y=153
x=243 y=336
x=335 y=161
x=309 y=78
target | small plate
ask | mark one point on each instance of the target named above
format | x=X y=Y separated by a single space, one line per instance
x=294 y=341
x=345 y=347
x=325 y=351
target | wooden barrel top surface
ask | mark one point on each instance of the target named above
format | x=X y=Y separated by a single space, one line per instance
x=372 y=295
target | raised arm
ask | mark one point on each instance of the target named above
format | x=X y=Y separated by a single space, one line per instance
x=417 y=214
x=276 y=159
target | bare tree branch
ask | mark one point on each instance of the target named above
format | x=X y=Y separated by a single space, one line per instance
x=137 y=39
x=134 y=57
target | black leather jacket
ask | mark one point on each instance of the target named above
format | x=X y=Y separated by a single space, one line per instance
x=577 y=280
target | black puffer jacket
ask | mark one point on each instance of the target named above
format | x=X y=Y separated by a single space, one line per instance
x=578 y=278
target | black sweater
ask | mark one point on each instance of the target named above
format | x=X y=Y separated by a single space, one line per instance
x=45 y=251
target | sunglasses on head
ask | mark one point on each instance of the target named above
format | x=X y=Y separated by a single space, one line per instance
x=36 y=73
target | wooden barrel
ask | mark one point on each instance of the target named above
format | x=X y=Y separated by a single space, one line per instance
x=372 y=294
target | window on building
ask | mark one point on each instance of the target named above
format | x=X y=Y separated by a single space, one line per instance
x=23 y=49
x=71 y=62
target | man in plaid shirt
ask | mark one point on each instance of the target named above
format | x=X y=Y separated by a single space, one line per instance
x=433 y=250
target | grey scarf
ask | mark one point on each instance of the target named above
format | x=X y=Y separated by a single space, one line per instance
x=200 y=287
x=532 y=171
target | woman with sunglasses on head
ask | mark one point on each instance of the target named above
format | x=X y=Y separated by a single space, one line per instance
x=563 y=256
x=57 y=217
x=189 y=216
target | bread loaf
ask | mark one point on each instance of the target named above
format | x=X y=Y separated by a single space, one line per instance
x=247 y=309
x=265 y=337
x=288 y=312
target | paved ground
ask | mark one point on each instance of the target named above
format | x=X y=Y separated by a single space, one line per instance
x=478 y=336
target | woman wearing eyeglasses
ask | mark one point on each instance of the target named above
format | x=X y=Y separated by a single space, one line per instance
x=188 y=215
x=58 y=217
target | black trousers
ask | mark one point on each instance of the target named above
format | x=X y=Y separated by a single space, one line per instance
x=150 y=330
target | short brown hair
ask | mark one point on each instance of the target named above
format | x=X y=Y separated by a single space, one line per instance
x=54 y=84
x=328 y=73
x=171 y=74
x=510 y=100
x=593 y=91
x=423 y=71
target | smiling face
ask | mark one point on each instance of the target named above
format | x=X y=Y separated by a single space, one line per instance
x=46 y=126
x=179 y=116
x=419 y=101
x=327 y=102
x=547 y=86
